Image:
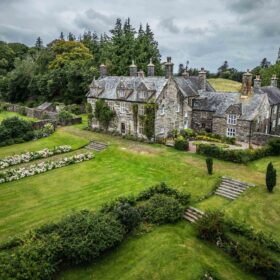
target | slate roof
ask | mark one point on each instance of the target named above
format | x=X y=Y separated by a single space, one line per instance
x=219 y=102
x=190 y=86
x=273 y=94
x=108 y=86
x=44 y=106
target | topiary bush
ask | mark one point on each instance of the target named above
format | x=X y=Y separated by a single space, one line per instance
x=161 y=209
x=209 y=164
x=181 y=144
x=270 y=177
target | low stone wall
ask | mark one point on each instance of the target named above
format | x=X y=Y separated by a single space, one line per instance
x=40 y=124
x=262 y=138
x=75 y=120
x=32 y=112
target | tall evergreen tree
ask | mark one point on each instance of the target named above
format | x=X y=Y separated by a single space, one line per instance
x=39 y=43
x=270 y=177
x=61 y=36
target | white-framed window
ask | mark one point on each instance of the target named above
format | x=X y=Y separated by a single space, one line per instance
x=231 y=132
x=178 y=108
x=162 y=109
x=111 y=105
x=142 y=95
x=121 y=93
x=274 y=123
x=122 y=107
x=141 y=110
x=141 y=129
x=231 y=119
x=161 y=130
x=275 y=109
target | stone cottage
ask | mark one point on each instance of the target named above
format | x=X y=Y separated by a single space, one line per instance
x=173 y=95
x=187 y=102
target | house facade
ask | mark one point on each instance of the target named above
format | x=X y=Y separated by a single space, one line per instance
x=186 y=102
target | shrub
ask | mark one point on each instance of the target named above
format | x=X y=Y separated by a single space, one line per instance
x=162 y=188
x=162 y=209
x=181 y=144
x=64 y=116
x=17 y=127
x=274 y=145
x=209 y=163
x=270 y=177
x=210 y=226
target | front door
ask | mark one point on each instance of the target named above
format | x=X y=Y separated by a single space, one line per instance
x=123 y=128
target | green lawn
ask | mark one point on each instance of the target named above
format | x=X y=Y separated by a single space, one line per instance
x=126 y=167
x=220 y=84
x=5 y=115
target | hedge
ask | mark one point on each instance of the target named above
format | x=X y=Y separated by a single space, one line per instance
x=84 y=236
x=238 y=156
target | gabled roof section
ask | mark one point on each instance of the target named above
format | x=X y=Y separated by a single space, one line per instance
x=45 y=106
x=234 y=109
x=273 y=94
x=111 y=83
x=190 y=86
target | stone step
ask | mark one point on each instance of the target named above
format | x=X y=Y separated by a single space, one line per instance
x=192 y=215
x=189 y=219
x=231 y=190
x=224 y=194
x=96 y=146
x=237 y=189
x=231 y=183
x=237 y=182
x=221 y=191
x=196 y=210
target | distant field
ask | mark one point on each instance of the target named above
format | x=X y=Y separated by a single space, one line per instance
x=5 y=115
x=225 y=85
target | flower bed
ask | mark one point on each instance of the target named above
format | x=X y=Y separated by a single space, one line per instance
x=17 y=174
x=29 y=156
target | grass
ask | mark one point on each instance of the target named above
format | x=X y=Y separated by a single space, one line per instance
x=126 y=167
x=220 y=84
x=167 y=252
x=6 y=114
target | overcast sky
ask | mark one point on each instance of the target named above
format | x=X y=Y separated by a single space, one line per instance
x=205 y=32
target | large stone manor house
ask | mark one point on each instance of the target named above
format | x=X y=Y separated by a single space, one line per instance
x=187 y=102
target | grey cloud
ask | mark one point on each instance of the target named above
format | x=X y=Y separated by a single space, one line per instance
x=169 y=25
x=245 y=6
x=92 y=19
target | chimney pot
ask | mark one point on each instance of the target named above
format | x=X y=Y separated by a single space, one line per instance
x=186 y=74
x=202 y=79
x=103 y=70
x=247 y=83
x=168 y=68
x=151 y=69
x=257 y=81
x=274 y=80
x=133 y=70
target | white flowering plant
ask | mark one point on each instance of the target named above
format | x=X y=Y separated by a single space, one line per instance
x=17 y=174
x=29 y=156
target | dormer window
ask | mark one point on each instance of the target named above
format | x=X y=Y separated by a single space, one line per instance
x=122 y=93
x=231 y=119
x=142 y=95
x=162 y=110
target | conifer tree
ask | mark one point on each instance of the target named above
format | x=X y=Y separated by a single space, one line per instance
x=61 y=37
x=270 y=177
x=71 y=37
x=39 y=43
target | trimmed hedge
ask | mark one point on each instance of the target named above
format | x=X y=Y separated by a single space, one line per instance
x=238 y=156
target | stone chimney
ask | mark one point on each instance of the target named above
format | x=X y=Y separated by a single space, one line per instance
x=103 y=70
x=273 y=81
x=257 y=81
x=151 y=69
x=141 y=74
x=247 y=84
x=133 y=70
x=168 y=68
x=202 y=79
x=185 y=74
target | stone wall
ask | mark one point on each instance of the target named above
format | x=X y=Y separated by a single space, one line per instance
x=262 y=138
x=202 y=120
x=275 y=120
x=242 y=127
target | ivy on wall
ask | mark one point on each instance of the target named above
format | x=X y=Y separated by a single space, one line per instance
x=148 y=119
x=135 y=116
x=103 y=113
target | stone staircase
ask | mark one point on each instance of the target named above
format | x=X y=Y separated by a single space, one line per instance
x=231 y=189
x=193 y=214
x=96 y=146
